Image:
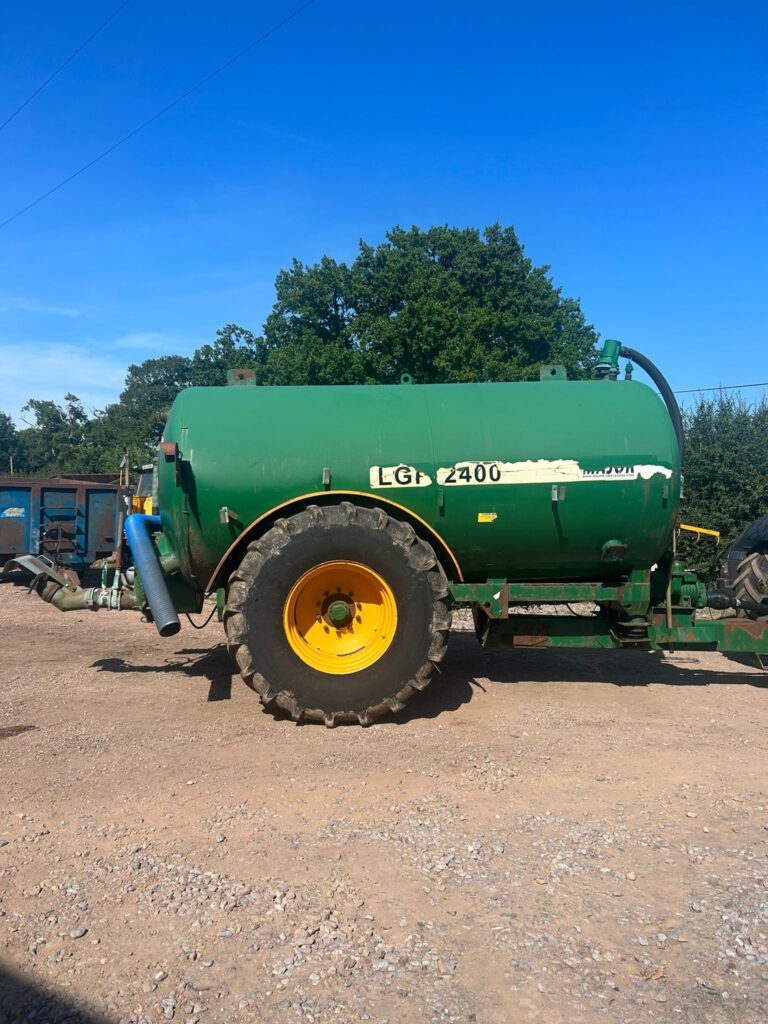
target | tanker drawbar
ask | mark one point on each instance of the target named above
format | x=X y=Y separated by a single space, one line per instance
x=338 y=528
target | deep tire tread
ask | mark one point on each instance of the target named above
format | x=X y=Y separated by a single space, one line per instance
x=751 y=581
x=420 y=557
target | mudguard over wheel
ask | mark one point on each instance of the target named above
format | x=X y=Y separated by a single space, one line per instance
x=751 y=582
x=338 y=614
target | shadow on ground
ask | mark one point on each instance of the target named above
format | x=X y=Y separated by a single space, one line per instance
x=16 y=578
x=23 y=1000
x=466 y=665
x=616 y=667
x=211 y=663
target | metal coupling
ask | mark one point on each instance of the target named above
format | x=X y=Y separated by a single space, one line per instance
x=109 y=597
x=720 y=601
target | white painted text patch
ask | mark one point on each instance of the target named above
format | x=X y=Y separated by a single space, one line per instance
x=539 y=471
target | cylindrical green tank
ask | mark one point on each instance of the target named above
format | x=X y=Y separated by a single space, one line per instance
x=552 y=480
x=341 y=526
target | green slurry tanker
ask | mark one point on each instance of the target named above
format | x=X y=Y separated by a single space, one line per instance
x=339 y=526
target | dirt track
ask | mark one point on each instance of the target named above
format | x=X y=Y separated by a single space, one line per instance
x=541 y=837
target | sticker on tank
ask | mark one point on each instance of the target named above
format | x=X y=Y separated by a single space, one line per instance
x=540 y=471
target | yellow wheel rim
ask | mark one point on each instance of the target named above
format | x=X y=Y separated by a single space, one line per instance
x=340 y=617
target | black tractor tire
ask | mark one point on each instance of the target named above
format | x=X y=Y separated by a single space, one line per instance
x=258 y=591
x=751 y=583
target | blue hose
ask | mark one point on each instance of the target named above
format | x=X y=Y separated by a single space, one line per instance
x=145 y=560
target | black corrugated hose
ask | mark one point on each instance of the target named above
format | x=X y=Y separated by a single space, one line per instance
x=665 y=390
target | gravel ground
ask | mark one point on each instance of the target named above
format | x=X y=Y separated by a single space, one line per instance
x=553 y=837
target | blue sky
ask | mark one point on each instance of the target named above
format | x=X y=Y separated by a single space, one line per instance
x=628 y=145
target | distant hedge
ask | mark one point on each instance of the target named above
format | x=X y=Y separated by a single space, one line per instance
x=726 y=474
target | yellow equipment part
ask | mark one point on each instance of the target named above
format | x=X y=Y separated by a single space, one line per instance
x=700 y=532
x=142 y=505
x=340 y=617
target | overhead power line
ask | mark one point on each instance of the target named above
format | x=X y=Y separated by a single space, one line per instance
x=198 y=85
x=61 y=67
x=729 y=387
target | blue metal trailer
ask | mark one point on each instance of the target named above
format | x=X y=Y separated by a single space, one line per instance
x=72 y=521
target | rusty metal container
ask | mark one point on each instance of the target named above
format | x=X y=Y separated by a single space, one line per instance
x=71 y=520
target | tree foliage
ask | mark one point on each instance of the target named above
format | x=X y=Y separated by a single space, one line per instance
x=445 y=305
x=9 y=443
x=135 y=420
x=57 y=440
x=234 y=348
x=726 y=474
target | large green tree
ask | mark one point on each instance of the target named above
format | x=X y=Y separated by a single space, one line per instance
x=446 y=305
x=233 y=348
x=58 y=438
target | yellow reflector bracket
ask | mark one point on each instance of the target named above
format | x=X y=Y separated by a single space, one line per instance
x=700 y=532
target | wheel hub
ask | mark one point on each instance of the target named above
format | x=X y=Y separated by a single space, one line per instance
x=340 y=612
x=340 y=617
